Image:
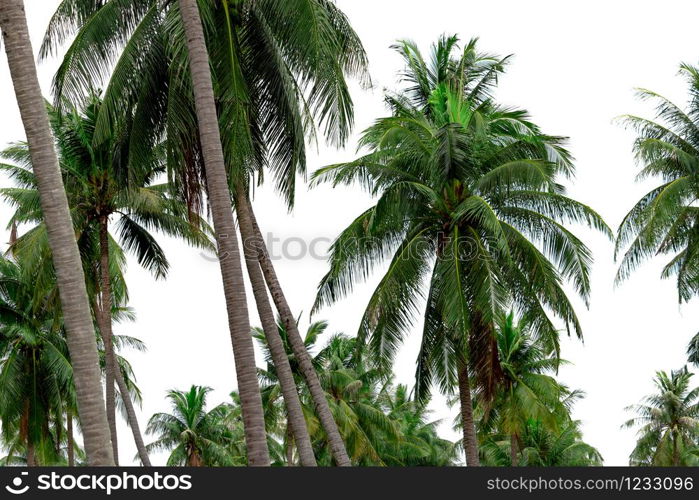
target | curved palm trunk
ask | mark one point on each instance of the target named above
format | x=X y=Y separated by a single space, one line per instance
x=113 y=374
x=337 y=445
x=66 y=258
x=224 y=226
x=514 y=451
x=71 y=445
x=296 y=419
x=467 y=422
x=104 y=321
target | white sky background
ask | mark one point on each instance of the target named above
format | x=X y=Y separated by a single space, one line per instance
x=574 y=69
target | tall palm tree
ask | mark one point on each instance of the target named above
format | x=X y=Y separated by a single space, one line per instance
x=272 y=80
x=665 y=220
x=105 y=185
x=669 y=422
x=469 y=202
x=66 y=258
x=194 y=436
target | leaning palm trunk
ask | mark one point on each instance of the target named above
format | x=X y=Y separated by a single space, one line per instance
x=224 y=227
x=467 y=422
x=296 y=419
x=104 y=321
x=337 y=446
x=113 y=374
x=80 y=330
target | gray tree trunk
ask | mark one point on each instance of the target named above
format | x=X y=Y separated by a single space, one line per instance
x=337 y=445
x=295 y=417
x=113 y=373
x=70 y=278
x=467 y=422
x=224 y=227
x=104 y=320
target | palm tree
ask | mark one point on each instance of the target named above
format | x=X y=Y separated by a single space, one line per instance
x=664 y=221
x=669 y=422
x=194 y=436
x=693 y=350
x=65 y=255
x=469 y=202
x=528 y=391
x=272 y=77
x=105 y=184
x=544 y=447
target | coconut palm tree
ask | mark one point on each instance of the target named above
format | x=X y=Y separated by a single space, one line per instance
x=545 y=447
x=65 y=254
x=194 y=436
x=669 y=422
x=105 y=185
x=664 y=221
x=469 y=203
x=693 y=350
x=272 y=79
x=528 y=391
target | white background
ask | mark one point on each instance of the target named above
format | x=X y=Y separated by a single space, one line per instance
x=574 y=69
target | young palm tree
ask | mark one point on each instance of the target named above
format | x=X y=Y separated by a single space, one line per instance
x=469 y=202
x=528 y=391
x=669 y=422
x=194 y=436
x=105 y=185
x=664 y=221
x=65 y=255
x=272 y=79
x=545 y=447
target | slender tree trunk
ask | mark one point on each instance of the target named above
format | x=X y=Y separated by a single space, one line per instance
x=113 y=374
x=337 y=446
x=280 y=358
x=104 y=319
x=71 y=444
x=224 y=227
x=61 y=235
x=514 y=451
x=131 y=418
x=467 y=422
x=25 y=434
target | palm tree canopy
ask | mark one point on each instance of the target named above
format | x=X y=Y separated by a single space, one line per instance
x=469 y=205
x=664 y=221
x=668 y=422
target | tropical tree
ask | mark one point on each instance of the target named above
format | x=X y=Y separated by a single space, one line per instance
x=528 y=391
x=379 y=423
x=105 y=185
x=665 y=220
x=544 y=447
x=669 y=422
x=469 y=203
x=271 y=78
x=194 y=436
x=65 y=254
x=693 y=350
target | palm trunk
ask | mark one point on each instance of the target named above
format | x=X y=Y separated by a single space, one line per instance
x=337 y=446
x=25 y=434
x=514 y=451
x=113 y=374
x=289 y=447
x=104 y=320
x=71 y=444
x=131 y=418
x=80 y=330
x=224 y=227
x=467 y=423
x=280 y=358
